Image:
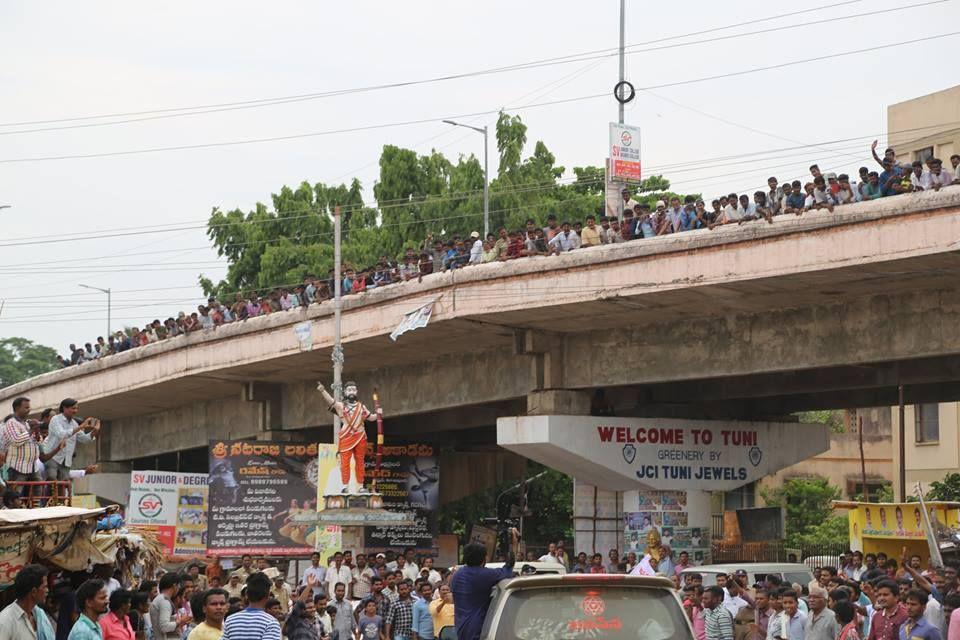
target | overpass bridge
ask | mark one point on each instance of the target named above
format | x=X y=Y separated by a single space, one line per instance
x=748 y=322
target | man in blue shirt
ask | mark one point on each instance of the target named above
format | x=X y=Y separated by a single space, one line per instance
x=422 y=620
x=916 y=626
x=471 y=587
x=890 y=171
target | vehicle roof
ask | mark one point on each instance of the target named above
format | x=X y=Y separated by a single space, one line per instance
x=546 y=566
x=587 y=579
x=748 y=566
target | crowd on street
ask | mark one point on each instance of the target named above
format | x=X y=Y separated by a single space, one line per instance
x=822 y=191
x=394 y=595
x=402 y=596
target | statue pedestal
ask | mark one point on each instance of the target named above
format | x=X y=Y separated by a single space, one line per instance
x=360 y=510
x=342 y=501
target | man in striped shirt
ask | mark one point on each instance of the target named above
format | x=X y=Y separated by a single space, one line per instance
x=253 y=623
x=717 y=620
x=18 y=444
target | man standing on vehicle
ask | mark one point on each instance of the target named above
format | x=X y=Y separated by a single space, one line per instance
x=718 y=624
x=471 y=587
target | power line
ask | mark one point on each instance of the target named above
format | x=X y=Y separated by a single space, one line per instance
x=532 y=64
x=208 y=145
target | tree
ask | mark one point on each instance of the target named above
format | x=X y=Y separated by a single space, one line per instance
x=947 y=490
x=419 y=198
x=807 y=503
x=549 y=498
x=21 y=359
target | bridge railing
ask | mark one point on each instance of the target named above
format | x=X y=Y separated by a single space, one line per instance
x=47 y=493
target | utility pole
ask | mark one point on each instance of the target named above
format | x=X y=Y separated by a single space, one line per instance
x=902 y=471
x=106 y=291
x=623 y=33
x=486 y=173
x=337 y=353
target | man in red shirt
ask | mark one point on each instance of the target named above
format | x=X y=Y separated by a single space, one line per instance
x=890 y=613
x=116 y=625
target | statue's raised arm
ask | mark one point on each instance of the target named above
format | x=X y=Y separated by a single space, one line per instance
x=333 y=405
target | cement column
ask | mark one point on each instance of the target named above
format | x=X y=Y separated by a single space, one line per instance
x=597 y=512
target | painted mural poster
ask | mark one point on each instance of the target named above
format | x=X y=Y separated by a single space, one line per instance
x=897 y=521
x=409 y=481
x=256 y=489
x=667 y=513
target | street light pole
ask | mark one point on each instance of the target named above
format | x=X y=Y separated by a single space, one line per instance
x=106 y=291
x=623 y=33
x=337 y=354
x=486 y=174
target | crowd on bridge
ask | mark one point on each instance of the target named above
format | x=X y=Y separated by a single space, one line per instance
x=640 y=220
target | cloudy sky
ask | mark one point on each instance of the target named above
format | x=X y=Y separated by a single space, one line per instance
x=66 y=61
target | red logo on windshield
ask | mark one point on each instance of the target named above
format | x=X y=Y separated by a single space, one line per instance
x=593 y=604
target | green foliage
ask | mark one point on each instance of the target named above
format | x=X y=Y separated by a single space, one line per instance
x=947 y=490
x=831 y=531
x=885 y=493
x=418 y=197
x=550 y=499
x=21 y=359
x=831 y=418
x=807 y=503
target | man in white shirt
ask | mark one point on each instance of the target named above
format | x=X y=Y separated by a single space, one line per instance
x=338 y=572
x=564 y=241
x=550 y=555
x=431 y=574
x=628 y=202
x=732 y=212
x=315 y=571
x=937 y=176
x=476 y=249
x=63 y=428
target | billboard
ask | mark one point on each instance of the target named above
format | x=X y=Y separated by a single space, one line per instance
x=410 y=482
x=256 y=491
x=172 y=505
x=624 y=153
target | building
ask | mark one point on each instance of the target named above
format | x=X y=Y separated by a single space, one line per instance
x=841 y=463
x=924 y=127
x=931 y=444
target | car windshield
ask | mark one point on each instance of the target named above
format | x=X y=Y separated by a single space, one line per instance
x=574 y=612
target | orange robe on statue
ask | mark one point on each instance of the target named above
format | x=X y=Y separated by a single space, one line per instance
x=353 y=441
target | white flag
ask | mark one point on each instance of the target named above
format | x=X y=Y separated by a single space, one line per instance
x=416 y=319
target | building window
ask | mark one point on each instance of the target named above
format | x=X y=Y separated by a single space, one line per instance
x=926 y=418
x=923 y=154
x=743 y=498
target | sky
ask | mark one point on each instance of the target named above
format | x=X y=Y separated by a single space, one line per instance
x=66 y=61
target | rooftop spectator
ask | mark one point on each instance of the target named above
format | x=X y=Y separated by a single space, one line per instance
x=590 y=236
x=566 y=240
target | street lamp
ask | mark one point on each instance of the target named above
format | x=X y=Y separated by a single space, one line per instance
x=486 y=175
x=106 y=291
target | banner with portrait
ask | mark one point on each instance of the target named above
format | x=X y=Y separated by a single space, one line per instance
x=410 y=482
x=256 y=490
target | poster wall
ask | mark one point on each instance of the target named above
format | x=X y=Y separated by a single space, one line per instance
x=256 y=489
x=669 y=513
x=409 y=481
x=172 y=505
